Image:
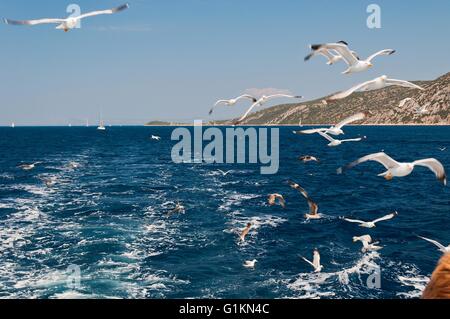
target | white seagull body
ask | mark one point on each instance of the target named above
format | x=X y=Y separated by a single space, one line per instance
x=336 y=129
x=355 y=64
x=334 y=142
x=437 y=244
x=368 y=245
x=371 y=224
x=316 y=261
x=28 y=167
x=264 y=99
x=250 y=263
x=375 y=84
x=232 y=102
x=397 y=169
x=224 y=173
x=156 y=138
x=67 y=23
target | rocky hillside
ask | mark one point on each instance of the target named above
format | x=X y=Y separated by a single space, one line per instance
x=383 y=106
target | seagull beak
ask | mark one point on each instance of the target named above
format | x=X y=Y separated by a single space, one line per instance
x=370 y=65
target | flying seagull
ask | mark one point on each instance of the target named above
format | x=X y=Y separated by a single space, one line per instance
x=355 y=64
x=276 y=197
x=375 y=84
x=336 y=129
x=308 y=158
x=316 y=261
x=438 y=244
x=368 y=245
x=313 y=207
x=29 y=167
x=245 y=232
x=371 y=224
x=224 y=173
x=264 y=99
x=67 y=23
x=334 y=142
x=396 y=169
x=156 y=138
x=232 y=102
x=250 y=263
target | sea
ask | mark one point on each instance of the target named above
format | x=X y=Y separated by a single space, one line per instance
x=101 y=229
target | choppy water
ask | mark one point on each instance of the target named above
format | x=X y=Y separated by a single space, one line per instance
x=108 y=216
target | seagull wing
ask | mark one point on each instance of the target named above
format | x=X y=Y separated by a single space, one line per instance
x=313 y=207
x=109 y=11
x=344 y=94
x=387 y=217
x=438 y=244
x=328 y=137
x=312 y=131
x=359 y=139
x=435 y=166
x=403 y=83
x=34 y=22
x=312 y=264
x=247 y=96
x=316 y=260
x=249 y=110
x=356 y=117
x=340 y=48
x=382 y=52
x=354 y=221
x=381 y=158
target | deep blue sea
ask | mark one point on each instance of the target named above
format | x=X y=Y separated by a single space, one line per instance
x=108 y=217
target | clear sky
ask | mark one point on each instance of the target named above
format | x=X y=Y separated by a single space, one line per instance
x=172 y=59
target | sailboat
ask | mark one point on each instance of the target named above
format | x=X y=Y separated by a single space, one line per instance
x=101 y=127
x=13 y=125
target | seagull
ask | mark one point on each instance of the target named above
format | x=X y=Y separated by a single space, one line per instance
x=29 y=167
x=439 y=245
x=67 y=23
x=372 y=223
x=73 y=165
x=178 y=209
x=232 y=102
x=355 y=64
x=308 y=158
x=316 y=261
x=336 y=129
x=334 y=143
x=274 y=197
x=442 y=149
x=156 y=138
x=264 y=99
x=313 y=207
x=250 y=263
x=224 y=173
x=49 y=182
x=397 y=169
x=245 y=232
x=375 y=84
x=332 y=55
x=421 y=110
x=368 y=245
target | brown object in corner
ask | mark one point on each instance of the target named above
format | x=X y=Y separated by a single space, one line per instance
x=439 y=285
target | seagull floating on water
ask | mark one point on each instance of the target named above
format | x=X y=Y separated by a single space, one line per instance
x=308 y=158
x=368 y=245
x=355 y=64
x=397 y=169
x=264 y=99
x=375 y=84
x=276 y=197
x=250 y=263
x=336 y=129
x=316 y=261
x=437 y=244
x=156 y=138
x=371 y=224
x=67 y=23
x=179 y=208
x=313 y=207
x=232 y=102
x=29 y=167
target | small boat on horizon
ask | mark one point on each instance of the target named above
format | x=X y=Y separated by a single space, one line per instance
x=13 y=125
x=101 y=127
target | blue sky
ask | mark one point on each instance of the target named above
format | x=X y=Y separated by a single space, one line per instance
x=172 y=59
